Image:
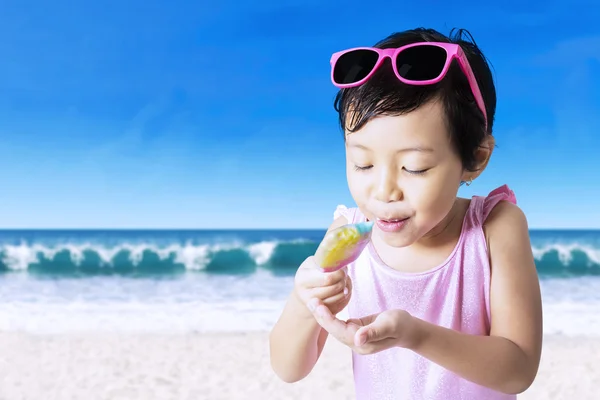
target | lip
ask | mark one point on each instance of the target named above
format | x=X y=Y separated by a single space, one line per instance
x=391 y=224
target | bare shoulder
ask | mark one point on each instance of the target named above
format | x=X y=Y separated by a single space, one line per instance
x=509 y=246
x=504 y=220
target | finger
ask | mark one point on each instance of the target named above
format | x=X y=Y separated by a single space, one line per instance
x=326 y=278
x=329 y=278
x=341 y=296
x=335 y=299
x=328 y=291
x=331 y=324
x=376 y=347
x=340 y=293
x=372 y=333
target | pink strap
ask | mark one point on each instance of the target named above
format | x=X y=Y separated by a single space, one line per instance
x=496 y=196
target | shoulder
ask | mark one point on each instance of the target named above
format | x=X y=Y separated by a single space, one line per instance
x=504 y=219
x=506 y=229
x=501 y=217
x=506 y=233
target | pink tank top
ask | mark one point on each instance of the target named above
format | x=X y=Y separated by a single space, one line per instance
x=454 y=294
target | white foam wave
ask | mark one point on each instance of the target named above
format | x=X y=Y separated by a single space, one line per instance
x=571 y=306
x=262 y=252
x=217 y=304
x=197 y=256
x=569 y=319
x=192 y=256
x=193 y=304
x=566 y=251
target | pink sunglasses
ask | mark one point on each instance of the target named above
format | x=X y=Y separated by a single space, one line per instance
x=422 y=63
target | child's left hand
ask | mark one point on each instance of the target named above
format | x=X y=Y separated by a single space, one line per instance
x=370 y=334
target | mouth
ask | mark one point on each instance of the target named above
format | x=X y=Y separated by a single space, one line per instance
x=391 y=224
x=392 y=219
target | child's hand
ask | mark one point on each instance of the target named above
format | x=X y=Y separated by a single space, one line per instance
x=370 y=334
x=332 y=289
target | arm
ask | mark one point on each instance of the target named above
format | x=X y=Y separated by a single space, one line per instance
x=508 y=359
x=297 y=340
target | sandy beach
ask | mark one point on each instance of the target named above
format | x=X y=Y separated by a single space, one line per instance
x=223 y=366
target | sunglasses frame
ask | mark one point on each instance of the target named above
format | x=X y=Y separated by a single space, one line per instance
x=453 y=51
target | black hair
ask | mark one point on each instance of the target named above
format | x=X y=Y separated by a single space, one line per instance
x=384 y=94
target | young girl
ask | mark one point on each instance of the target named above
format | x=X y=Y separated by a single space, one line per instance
x=444 y=302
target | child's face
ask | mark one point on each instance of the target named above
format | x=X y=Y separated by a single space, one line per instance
x=390 y=148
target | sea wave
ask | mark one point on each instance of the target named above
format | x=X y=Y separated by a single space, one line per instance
x=233 y=257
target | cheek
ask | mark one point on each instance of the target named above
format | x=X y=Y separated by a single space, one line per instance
x=436 y=199
x=356 y=185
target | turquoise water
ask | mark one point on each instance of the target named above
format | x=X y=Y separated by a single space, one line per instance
x=56 y=281
x=169 y=253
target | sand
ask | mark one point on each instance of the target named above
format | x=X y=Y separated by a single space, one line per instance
x=223 y=366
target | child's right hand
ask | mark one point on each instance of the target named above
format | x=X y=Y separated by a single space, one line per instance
x=333 y=289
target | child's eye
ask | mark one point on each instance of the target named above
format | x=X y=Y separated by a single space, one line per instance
x=416 y=172
x=359 y=168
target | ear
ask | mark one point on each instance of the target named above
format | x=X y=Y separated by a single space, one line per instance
x=482 y=157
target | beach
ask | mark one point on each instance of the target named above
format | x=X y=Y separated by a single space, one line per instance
x=223 y=366
x=128 y=315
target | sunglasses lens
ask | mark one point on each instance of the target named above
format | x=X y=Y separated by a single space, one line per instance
x=353 y=66
x=421 y=63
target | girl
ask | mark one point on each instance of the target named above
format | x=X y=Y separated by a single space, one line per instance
x=444 y=303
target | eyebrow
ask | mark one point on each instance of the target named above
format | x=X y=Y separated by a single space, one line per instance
x=404 y=150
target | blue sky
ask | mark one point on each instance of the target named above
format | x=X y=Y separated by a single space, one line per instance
x=187 y=114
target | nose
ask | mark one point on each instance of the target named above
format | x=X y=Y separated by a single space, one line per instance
x=387 y=189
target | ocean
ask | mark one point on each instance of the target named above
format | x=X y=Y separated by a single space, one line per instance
x=57 y=281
